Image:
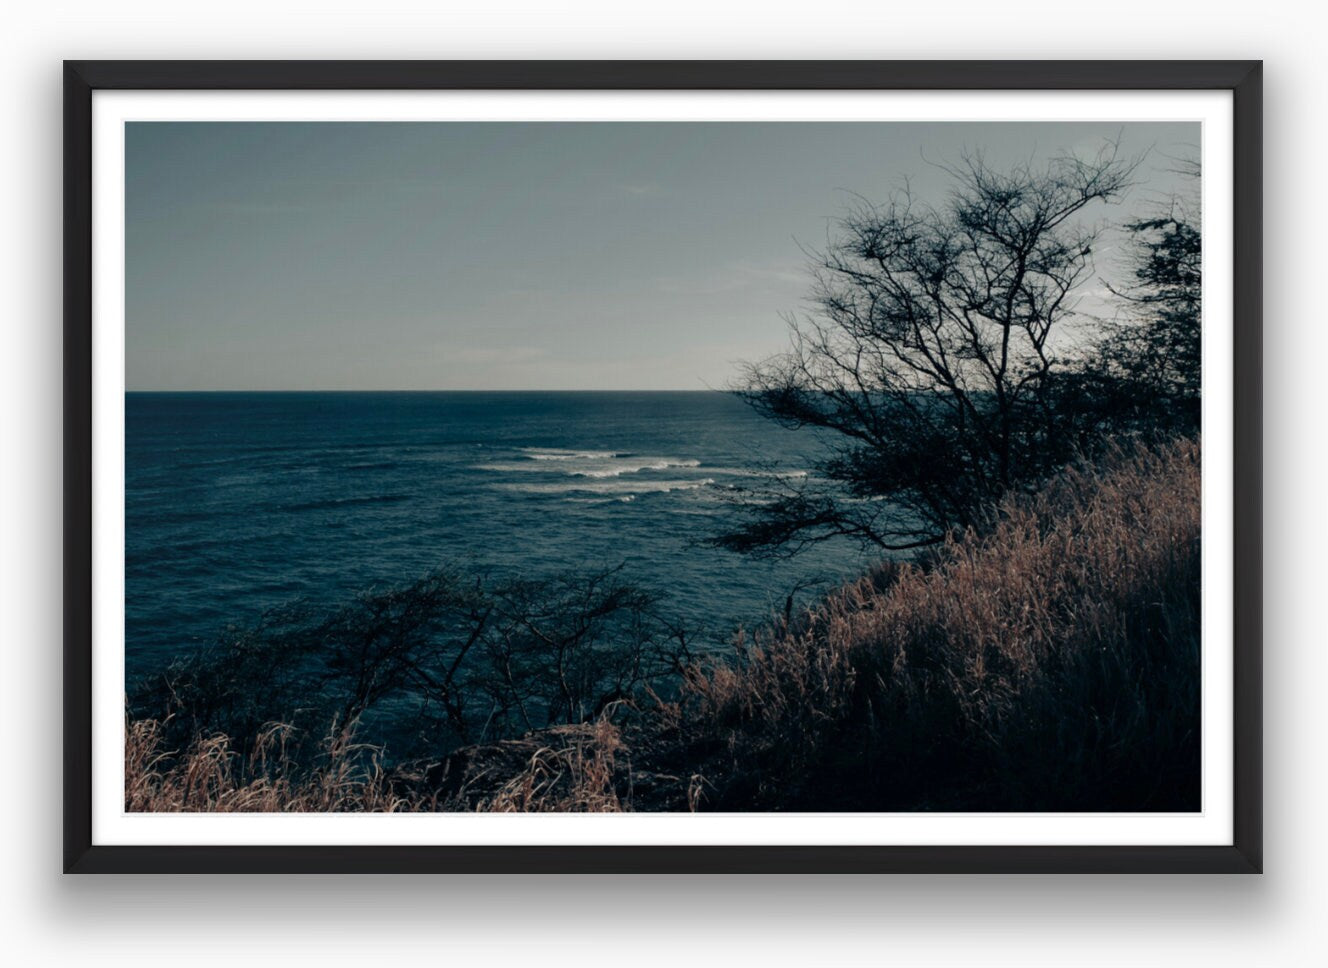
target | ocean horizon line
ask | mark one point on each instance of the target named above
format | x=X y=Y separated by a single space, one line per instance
x=497 y=389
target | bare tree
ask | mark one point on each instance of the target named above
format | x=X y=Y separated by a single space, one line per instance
x=930 y=360
x=456 y=657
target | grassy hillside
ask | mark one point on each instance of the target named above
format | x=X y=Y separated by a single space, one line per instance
x=1048 y=661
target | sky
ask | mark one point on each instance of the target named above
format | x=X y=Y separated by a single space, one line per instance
x=471 y=256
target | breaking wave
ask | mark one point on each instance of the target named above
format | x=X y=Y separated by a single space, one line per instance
x=558 y=453
x=597 y=467
x=607 y=487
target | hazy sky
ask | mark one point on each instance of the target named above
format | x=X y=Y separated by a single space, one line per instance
x=510 y=256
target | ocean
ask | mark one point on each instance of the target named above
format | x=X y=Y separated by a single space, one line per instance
x=236 y=503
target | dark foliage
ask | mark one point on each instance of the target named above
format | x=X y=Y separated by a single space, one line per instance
x=1051 y=662
x=1152 y=355
x=932 y=366
x=453 y=658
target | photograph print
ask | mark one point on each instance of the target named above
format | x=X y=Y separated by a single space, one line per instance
x=715 y=467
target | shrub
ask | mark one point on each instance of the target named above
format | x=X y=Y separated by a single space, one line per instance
x=1047 y=662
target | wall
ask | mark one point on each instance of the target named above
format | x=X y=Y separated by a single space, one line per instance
x=1018 y=921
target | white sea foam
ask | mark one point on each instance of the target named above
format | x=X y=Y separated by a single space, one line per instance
x=558 y=453
x=591 y=464
x=756 y=472
x=634 y=466
x=607 y=487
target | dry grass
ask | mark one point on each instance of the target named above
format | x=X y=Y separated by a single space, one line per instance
x=210 y=777
x=563 y=769
x=574 y=773
x=1049 y=662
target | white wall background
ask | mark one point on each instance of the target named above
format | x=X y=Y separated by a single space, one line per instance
x=49 y=919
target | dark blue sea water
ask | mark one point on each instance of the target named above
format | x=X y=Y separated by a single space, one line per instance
x=238 y=502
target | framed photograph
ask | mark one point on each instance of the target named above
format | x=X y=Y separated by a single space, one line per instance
x=662 y=466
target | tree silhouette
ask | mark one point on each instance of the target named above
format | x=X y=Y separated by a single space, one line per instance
x=929 y=364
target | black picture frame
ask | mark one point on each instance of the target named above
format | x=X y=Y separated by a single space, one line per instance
x=1243 y=78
